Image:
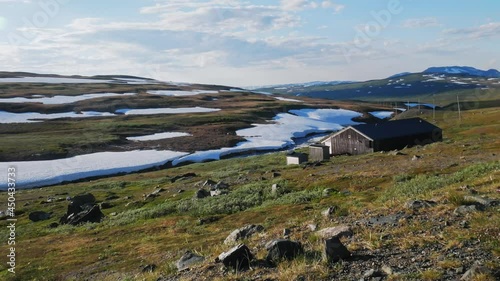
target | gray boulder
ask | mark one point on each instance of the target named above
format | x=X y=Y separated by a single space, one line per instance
x=476 y=269
x=419 y=204
x=188 y=260
x=486 y=202
x=328 y=212
x=238 y=257
x=283 y=249
x=201 y=193
x=39 y=216
x=333 y=249
x=464 y=210
x=243 y=233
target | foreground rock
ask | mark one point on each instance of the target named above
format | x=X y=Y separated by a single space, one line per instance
x=39 y=216
x=82 y=209
x=419 y=204
x=238 y=257
x=334 y=250
x=188 y=260
x=283 y=249
x=243 y=233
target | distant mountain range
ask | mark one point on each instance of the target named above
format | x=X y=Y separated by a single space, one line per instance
x=447 y=81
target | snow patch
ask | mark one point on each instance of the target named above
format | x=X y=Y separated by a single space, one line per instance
x=382 y=114
x=286 y=99
x=41 y=173
x=61 y=99
x=181 y=93
x=152 y=111
x=159 y=136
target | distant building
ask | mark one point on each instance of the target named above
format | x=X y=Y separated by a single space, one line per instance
x=366 y=138
x=319 y=152
x=296 y=158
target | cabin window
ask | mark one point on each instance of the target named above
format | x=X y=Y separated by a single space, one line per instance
x=348 y=136
x=370 y=144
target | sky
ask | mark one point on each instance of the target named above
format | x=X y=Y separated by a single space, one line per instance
x=247 y=43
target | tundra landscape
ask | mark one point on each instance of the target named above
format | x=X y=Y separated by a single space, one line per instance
x=290 y=140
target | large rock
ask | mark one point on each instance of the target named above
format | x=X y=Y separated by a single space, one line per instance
x=464 y=210
x=201 y=193
x=82 y=209
x=243 y=233
x=486 y=202
x=335 y=232
x=39 y=216
x=187 y=260
x=334 y=250
x=92 y=214
x=283 y=249
x=475 y=270
x=238 y=257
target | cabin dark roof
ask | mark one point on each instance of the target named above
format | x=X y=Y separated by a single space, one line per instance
x=396 y=129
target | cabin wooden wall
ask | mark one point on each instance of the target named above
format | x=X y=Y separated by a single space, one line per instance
x=350 y=142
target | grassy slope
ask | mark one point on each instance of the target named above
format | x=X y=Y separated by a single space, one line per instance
x=159 y=231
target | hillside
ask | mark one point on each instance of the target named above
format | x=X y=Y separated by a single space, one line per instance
x=153 y=218
x=440 y=86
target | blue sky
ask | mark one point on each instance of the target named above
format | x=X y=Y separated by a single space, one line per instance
x=244 y=43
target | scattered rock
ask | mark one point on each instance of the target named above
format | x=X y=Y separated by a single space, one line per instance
x=312 y=226
x=207 y=220
x=39 y=216
x=238 y=257
x=476 y=269
x=275 y=189
x=243 y=233
x=387 y=270
x=92 y=214
x=373 y=273
x=217 y=192
x=283 y=249
x=275 y=175
x=385 y=220
x=182 y=177
x=148 y=268
x=464 y=210
x=328 y=212
x=486 y=202
x=53 y=225
x=209 y=183
x=419 y=204
x=286 y=232
x=416 y=157
x=334 y=250
x=82 y=209
x=396 y=153
x=188 y=260
x=201 y=193
x=335 y=232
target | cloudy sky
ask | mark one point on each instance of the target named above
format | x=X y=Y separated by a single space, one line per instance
x=243 y=43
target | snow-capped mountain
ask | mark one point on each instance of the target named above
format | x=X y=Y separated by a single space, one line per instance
x=464 y=70
x=299 y=85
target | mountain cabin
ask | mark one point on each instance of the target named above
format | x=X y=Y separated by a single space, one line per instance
x=390 y=135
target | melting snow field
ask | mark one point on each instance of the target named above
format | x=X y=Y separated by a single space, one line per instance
x=382 y=114
x=277 y=134
x=280 y=133
x=159 y=136
x=181 y=93
x=30 y=117
x=62 y=99
x=41 y=173
x=153 y=111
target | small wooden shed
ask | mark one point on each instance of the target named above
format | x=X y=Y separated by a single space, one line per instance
x=366 y=138
x=319 y=152
x=295 y=158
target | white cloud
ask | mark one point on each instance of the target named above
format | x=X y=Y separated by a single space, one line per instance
x=421 y=23
x=491 y=29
